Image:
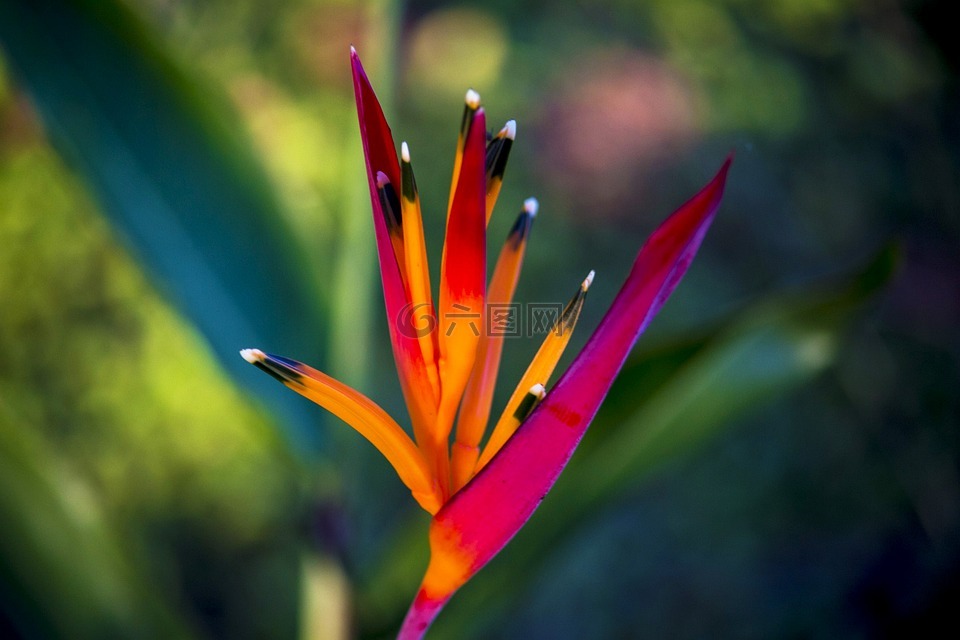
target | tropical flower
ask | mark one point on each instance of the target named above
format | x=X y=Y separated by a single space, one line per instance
x=480 y=496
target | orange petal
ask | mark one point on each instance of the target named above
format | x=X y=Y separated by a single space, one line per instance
x=361 y=413
x=392 y=217
x=498 y=151
x=475 y=408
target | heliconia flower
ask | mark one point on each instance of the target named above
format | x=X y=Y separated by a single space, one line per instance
x=447 y=360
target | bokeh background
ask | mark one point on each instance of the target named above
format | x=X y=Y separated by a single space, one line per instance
x=181 y=179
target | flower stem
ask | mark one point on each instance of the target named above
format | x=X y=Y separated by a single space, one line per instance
x=422 y=612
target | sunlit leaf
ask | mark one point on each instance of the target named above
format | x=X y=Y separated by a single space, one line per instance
x=169 y=163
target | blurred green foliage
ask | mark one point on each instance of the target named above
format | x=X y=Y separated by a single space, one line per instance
x=769 y=464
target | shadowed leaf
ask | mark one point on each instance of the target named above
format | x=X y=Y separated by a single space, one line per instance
x=64 y=571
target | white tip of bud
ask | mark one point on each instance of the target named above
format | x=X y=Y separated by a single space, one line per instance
x=382 y=180
x=472 y=99
x=510 y=129
x=531 y=206
x=405 y=152
x=588 y=280
x=352 y=49
x=538 y=390
x=253 y=356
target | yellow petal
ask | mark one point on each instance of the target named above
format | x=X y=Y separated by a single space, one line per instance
x=417 y=268
x=538 y=372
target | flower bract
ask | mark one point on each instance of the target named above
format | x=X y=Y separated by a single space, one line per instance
x=480 y=480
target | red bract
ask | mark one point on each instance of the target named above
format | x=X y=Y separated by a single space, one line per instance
x=480 y=496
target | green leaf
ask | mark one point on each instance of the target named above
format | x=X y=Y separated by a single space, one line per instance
x=170 y=165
